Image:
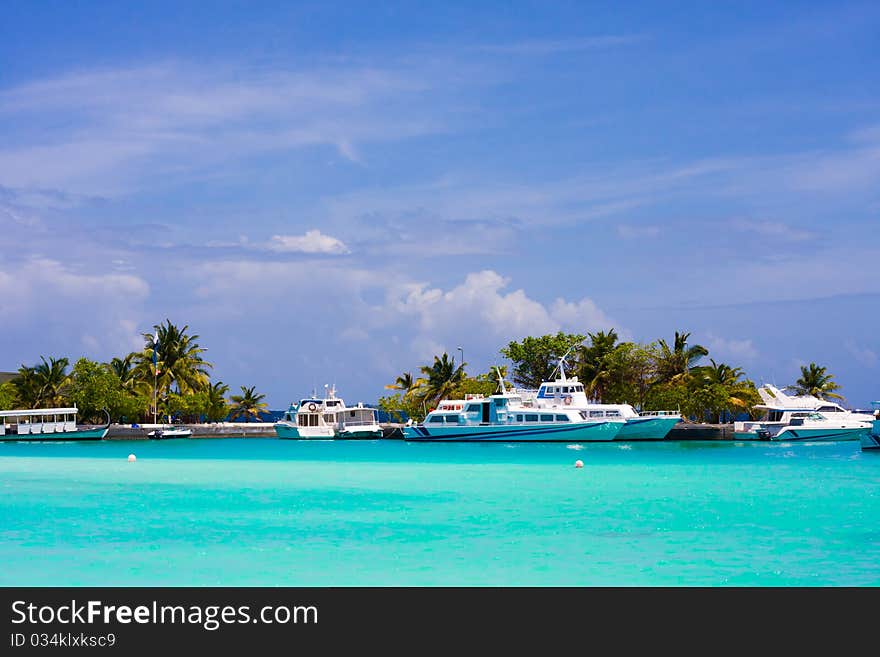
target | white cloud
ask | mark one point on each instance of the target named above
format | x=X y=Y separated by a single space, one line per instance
x=864 y=355
x=556 y=46
x=775 y=229
x=480 y=311
x=637 y=232
x=126 y=128
x=732 y=351
x=69 y=309
x=312 y=242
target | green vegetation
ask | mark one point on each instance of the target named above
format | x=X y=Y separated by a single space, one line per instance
x=248 y=405
x=656 y=376
x=168 y=377
x=817 y=382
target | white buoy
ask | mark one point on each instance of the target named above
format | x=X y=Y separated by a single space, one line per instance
x=578 y=464
x=132 y=458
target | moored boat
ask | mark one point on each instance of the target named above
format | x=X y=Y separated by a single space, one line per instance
x=328 y=418
x=503 y=417
x=568 y=392
x=47 y=424
x=164 y=433
x=801 y=417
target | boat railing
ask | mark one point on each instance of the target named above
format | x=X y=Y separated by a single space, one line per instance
x=659 y=414
x=359 y=423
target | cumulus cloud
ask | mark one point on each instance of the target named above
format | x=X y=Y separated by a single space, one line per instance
x=481 y=311
x=314 y=241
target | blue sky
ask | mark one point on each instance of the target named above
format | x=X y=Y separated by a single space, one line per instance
x=333 y=192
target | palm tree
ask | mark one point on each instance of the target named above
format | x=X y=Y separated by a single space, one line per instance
x=126 y=371
x=593 y=370
x=816 y=382
x=442 y=377
x=217 y=408
x=406 y=384
x=178 y=360
x=27 y=387
x=720 y=373
x=248 y=405
x=44 y=384
x=678 y=361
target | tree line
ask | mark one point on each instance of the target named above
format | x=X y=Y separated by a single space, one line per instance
x=169 y=376
x=658 y=375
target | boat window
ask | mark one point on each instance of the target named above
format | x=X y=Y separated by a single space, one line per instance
x=351 y=414
x=531 y=418
x=546 y=418
x=437 y=419
x=775 y=416
x=452 y=418
x=519 y=418
x=597 y=413
x=562 y=418
x=472 y=408
x=832 y=409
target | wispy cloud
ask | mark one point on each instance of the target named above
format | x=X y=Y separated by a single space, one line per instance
x=774 y=229
x=174 y=118
x=556 y=46
x=314 y=241
x=628 y=232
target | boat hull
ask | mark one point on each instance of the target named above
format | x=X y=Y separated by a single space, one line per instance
x=168 y=435
x=83 y=434
x=802 y=435
x=292 y=432
x=871 y=438
x=588 y=432
x=361 y=434
x=647 y=428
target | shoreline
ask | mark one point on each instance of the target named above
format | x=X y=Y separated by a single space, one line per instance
x=391 y=431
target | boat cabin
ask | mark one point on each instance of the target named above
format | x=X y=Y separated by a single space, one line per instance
x=37 y=421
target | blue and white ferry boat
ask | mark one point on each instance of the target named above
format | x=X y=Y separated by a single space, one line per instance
x=871 y=438
x=566 y=392
x=504 y=417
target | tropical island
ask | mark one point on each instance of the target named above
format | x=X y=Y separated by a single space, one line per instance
x=170 y=378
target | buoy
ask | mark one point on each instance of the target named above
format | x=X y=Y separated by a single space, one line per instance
x=132 y=458
x=578 y=464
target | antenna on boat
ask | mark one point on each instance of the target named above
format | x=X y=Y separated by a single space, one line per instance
x=561 y=363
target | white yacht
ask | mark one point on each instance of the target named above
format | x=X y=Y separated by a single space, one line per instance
x=328 y=418
x=568 y=392
x=801 y=417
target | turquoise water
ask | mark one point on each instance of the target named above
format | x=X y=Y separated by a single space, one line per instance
x=269 y=512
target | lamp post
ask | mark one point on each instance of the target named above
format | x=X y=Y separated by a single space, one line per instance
x=462 y=355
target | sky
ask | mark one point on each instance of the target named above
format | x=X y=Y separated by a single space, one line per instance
x=336 y=192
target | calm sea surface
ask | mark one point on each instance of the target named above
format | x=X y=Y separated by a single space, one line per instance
x=271 y=512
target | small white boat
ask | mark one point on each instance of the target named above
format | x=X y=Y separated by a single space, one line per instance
x=328 y=418
x=163 y=433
